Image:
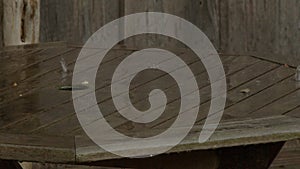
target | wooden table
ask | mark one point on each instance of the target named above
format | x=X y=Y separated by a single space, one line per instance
x=38 y=122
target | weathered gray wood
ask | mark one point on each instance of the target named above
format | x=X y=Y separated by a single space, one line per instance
x=21 y=22
x=244 y=132
x=30 y=61
x=255 y=86
x=50 y=72
x=249 y=132
x=49 y=81
x=1 y=27
x=202 y=79
x=261 y=28
x=37 y=148
x=279 y=107
x=250 y=105
x=203 y=14
x=46 y=111
x=66 y=96
x=34 y=46
x=235 y=80
x=75 y=20
x=294 y=113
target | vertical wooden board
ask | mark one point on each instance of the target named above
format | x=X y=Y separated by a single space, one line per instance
x=37 y=148
x=1 y=23
x=289 y=30
x=268 y=29
x=236 y=13
x=74 y=21
x=203 y=14
x=21 y=22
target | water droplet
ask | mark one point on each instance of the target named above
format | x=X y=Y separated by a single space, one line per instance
x=63 y=65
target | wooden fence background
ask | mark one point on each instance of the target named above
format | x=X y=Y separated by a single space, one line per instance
x=268 y=28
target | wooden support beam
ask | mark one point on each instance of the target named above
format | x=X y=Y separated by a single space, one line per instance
x=252 y=156
x=21 y=22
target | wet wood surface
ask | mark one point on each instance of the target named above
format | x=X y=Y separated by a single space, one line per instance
x=38 y=121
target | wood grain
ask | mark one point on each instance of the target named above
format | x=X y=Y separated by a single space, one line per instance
x=243 y=132
x=37 y=148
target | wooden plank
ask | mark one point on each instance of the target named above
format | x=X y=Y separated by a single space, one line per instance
x=233 y=81
x=279 y=107
x=244 y=62
x=75 y=20
x=294 y=113
x=258 y=84
x=21 y=22
x=198 y=70
x=202 y=80
x=63 y=125
x=49 y=79
x=203 y=14
x=227 y=23
x=245 y=21
x=31 y=78
x=248 y=106
x=64 y=96
x=50 y=74
x=255 y=86
x=1 y=28
x=12 y=57
x=34 y=46
x=23 y=65
x=49 y=92
x=244 y=132
x=37 y=148
x=39 y=60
